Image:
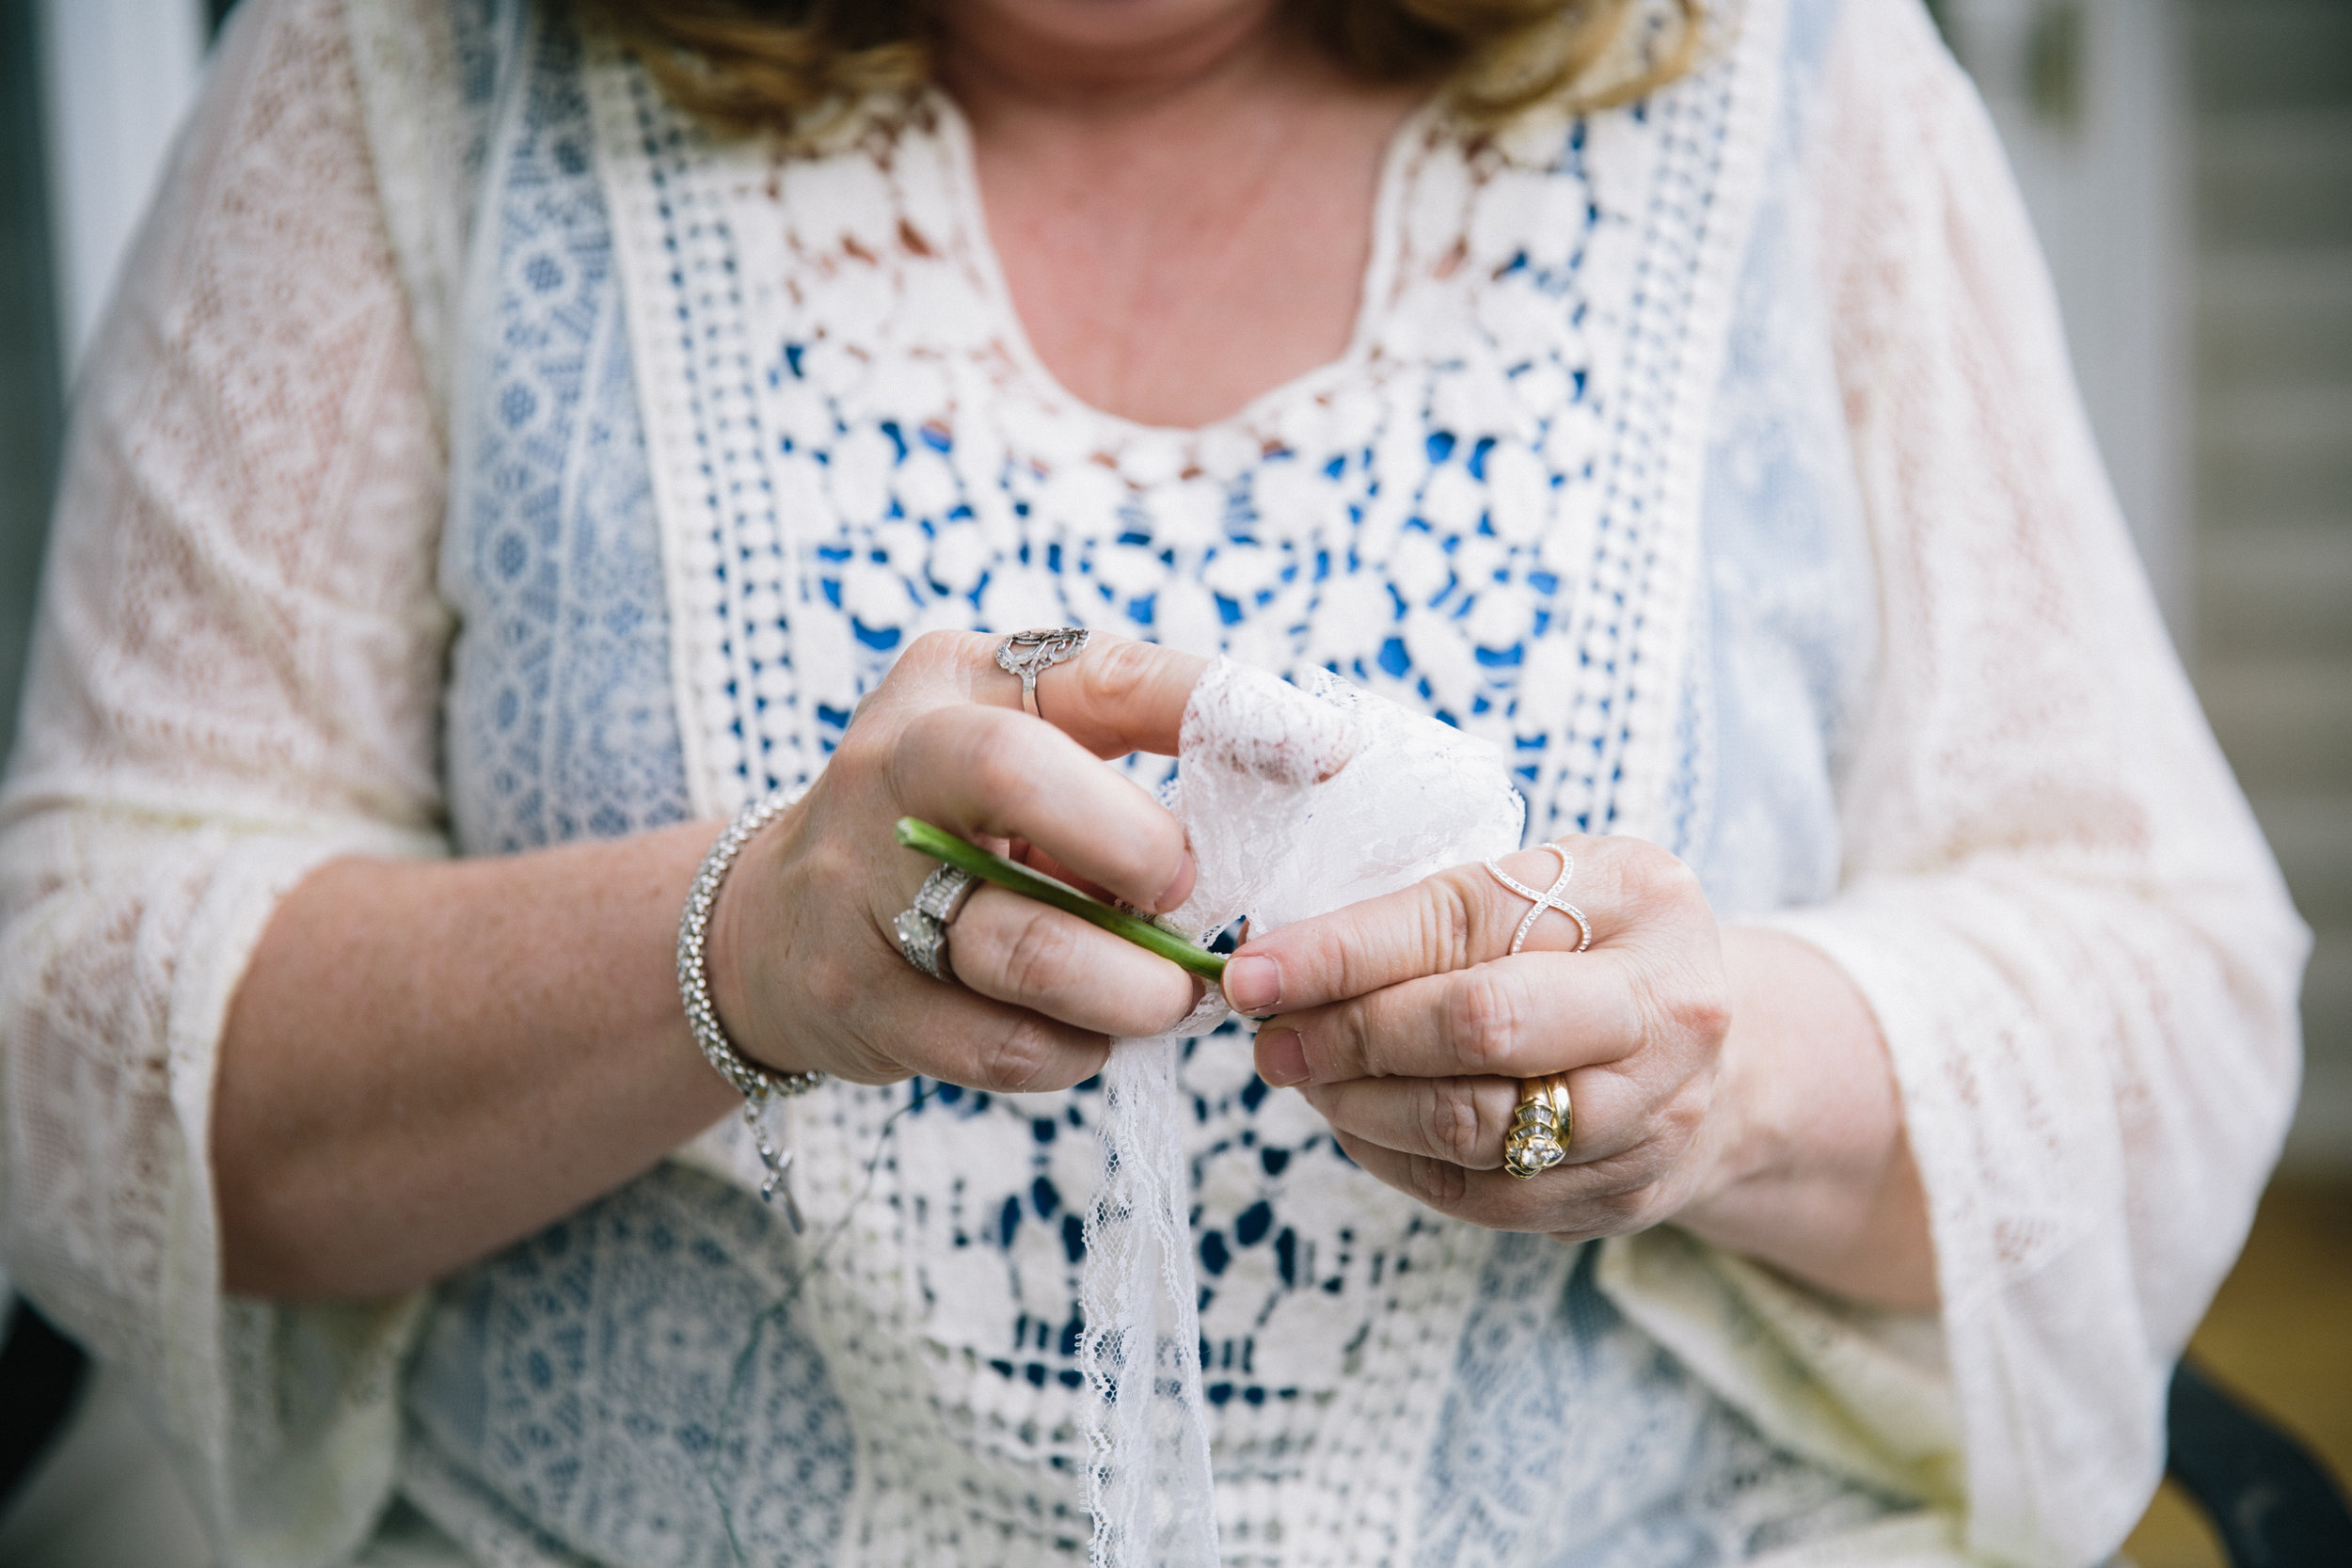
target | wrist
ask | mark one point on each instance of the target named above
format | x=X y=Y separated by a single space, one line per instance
x=721 y=957
x=1807 y=1166
x=1746 y=1143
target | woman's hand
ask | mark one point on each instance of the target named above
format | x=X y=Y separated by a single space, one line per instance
x=804 y=967
x=1403 y=1023
x=1731 y=1081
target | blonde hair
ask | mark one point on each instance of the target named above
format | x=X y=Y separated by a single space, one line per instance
x=793 y=68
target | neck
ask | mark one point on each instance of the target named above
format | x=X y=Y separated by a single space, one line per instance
x=1006 y=64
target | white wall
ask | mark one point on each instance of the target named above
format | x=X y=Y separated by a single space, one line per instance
x=120 y=76
x=2107 y=185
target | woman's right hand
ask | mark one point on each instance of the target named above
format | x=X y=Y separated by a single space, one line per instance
x=804 y=967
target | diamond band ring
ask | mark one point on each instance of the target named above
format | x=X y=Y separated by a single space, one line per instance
x=922 y=929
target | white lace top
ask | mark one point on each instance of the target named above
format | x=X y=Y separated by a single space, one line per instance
x=477 y=459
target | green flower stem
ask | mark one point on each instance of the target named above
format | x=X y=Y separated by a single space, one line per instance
x=923 y=837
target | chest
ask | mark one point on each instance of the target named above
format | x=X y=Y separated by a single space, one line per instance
x=1171 y=268
x=1437 y=513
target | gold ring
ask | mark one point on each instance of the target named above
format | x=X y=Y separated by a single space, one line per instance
x=1541 y=1127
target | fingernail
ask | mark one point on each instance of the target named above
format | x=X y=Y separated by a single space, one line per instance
x=1252 y=984
x=1179 y=889
x=1282 y=1057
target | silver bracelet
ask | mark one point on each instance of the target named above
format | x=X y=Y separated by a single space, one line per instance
x=759 y=1085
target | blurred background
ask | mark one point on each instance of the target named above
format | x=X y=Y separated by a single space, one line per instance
x=2188 y=164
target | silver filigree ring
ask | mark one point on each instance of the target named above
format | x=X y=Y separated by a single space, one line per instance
x=1030 y=653
x=922 y=928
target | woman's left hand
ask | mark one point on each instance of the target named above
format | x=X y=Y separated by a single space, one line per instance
x=1406 y=1022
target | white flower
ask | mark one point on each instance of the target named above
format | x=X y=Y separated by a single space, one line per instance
x=1185 y=616
x=1574 y=440
x=1189 y=516
x=1522 y=321
x=1502 y=214
x=1620 y=161
x=926 y=485
x=1130 y=570
x=1353 y=616
x=1292 y=497
x=855 y=302
x=801 y=412
x=903 y=544
x=1567 y=544
x=1081 y=497
x=1356 y=413
x=1418 y=566
x=1152 y=457
x=1442 y=654
x=767 y=644
x=1241 y=571
x=859 y=472
x=958 y=554
x=1436 y=204
x=1548 y=682
x=1227 y=452
x=1543 y=387
x=875 y=595
x=1476 y=559
x=1453 y=500
x=1501 y=617
x=1519 y=493
x=1020 y=596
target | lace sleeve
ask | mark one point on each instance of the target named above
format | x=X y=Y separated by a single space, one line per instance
x=2055 y=898
x=236 y=677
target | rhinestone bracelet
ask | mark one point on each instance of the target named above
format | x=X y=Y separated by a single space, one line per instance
x=759 y=1085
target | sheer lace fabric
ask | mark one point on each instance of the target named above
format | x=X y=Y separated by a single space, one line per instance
x=2055 y=899
x=2053 y=896
x=237 y=677
x=1295 y=803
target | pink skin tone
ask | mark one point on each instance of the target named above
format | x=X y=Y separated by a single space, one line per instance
x=427 y=1062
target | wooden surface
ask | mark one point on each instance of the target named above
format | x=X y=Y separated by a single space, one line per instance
x=2279 y=1335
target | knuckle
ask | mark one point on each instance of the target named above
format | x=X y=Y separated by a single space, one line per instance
x=1459 y=1130
x=1437 y=1183
x=1018 y=1061
x=1656 y=877
x=901 y=756
x=1449 y=916
x=1520 y=1205
x=935 y=652
x=1704 y=1013
x=1113 y=670
x=831 y=980
x=1683 y=1009
x=1619 y=1212
x=998 y=765
x=1039 y=956
x=834 y=867
x=1333 y=960
x=1482 y=1016
x=863 y=754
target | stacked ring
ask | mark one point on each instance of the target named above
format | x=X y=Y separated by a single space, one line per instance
x=1541 y=1127
x=923 y=927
